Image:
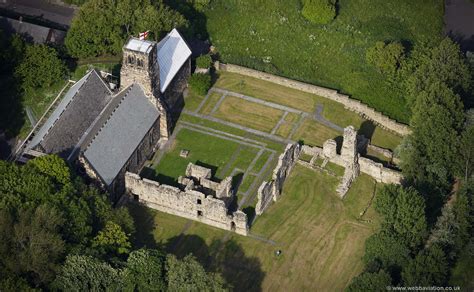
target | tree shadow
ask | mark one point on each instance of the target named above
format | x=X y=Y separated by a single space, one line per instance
x=197 y=29
x=226 y=257
x=144 y=219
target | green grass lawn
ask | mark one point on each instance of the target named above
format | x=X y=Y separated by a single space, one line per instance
x=321 y=238
x=210 y=103
x=205 y=150
x=314 y=133
x=273 y=36
x=249 y=114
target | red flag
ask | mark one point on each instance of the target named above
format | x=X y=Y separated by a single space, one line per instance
x=143 y=35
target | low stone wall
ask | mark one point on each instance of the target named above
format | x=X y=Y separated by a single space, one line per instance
x=271 y=190
x=350 y=104
x=189 y=204
x=379 y=172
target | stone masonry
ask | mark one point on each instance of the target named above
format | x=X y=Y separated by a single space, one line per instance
x=271 y=190
x=197 y=198
x=350 y=159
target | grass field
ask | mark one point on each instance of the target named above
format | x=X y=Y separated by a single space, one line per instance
x=332 y=111
x=314 y=133
x=321 y=238
x=205 y=150
x=249 y=114
x=274 y=37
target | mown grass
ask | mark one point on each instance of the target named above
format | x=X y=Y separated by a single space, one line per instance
x=210 y=103
x=320 y=236
x=284 y=129
x=273 y=36
x=204 y=150
x=314 y=133
x=192 y=101
x=249 y=114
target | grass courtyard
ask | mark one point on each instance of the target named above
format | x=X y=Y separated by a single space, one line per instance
x=321 y=237
x=292 y=126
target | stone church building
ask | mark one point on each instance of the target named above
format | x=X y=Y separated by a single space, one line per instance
x=106 y=133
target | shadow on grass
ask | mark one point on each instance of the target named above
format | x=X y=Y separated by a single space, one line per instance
x=250 y=211
x=367 y=128
x=213 y=168
x=225 y=257
x=144 y=219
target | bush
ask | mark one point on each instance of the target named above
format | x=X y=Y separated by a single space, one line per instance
x=200 y=83
x=40 y=67
x=319 y=11
x=203 y=61
x=386 y=57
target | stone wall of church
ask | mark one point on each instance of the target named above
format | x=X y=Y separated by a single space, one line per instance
x=186 y=203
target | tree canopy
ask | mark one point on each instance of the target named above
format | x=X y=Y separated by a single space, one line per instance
x=386 y=57
x=102 y=26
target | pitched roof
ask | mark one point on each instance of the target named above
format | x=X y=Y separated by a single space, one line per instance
x=121 y=134
x=75 y=113
x=33 y=32
x=172 y=54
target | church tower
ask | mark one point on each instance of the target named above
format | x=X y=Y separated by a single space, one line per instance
x=140 y=66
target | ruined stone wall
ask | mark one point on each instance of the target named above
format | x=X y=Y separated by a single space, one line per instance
x=379 y=172
x=189 y=204
x=271 y=190
x=350 y=104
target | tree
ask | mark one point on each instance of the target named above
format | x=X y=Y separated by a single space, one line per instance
x=199 y=83
x=319 y=11
x=112 y=240
x=466 y=166
x=370 y=282
x=85 y=273
x=34 y=244
x=429 y=268
x=431 y=154
x=386 y=57
x=188 y=275
x=102 y=26
x=53 y=166
x=392 y=252
x=445 y=64
x=404 y=213
x=145 y=271
x=40 y=67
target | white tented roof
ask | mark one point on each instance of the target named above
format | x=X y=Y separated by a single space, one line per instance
x=172 y=53
x=139 y=45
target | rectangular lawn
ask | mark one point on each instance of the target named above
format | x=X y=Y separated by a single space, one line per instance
x=250 y=114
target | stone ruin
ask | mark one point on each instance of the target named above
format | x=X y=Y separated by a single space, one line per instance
x=198 y=198
x=271 y=191
x=351 y=160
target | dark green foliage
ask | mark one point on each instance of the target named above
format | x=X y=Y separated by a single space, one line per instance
x=40 y=67
x=319 y=11
x=101 y=27
x=199 y=83
x=429 y=268
x=403 y=211
x=431 y=153
x=188 y=275
x=466 y=165
x=31 y=244
x=370 y=282
x=84 y=273
x=145 y=271
x=203 y=61
x=386 y=57
x=444 y=64
x=389 y=250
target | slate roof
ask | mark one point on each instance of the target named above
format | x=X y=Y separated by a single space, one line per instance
x=172 y=54
x=121 y=134
x=33 y=32
x=76 y=112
